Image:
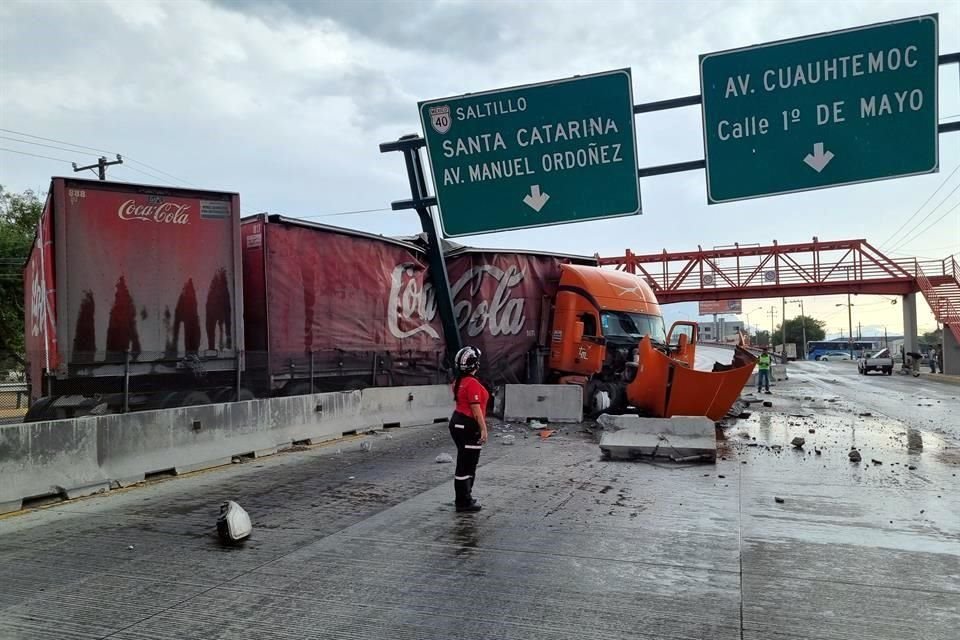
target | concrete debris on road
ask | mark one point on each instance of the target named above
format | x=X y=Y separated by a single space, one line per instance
x=798 y=442
x=443 y=458
x=779 y=500
x=508 y=439
x=875 y=461
x=233 y=525
x=912 y=468
x=855 y=456
x=811 y=430
x=366 y=446
x=865 y=414
x=767 y=403
x=818 y=452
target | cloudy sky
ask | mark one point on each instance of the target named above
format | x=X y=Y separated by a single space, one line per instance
x=287 y=101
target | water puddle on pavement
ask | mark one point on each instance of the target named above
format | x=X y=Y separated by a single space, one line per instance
x=889 y=449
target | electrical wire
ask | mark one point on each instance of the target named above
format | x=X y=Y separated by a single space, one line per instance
x=920 y=208
x=80 y=146
x=35 y=155
x=917 y=235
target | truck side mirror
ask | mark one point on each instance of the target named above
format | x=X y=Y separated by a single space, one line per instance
x=578 y=332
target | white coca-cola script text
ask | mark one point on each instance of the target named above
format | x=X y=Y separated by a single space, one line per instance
x=164 y=212
x=413 y=303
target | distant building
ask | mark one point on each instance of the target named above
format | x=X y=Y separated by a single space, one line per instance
x=720 y=331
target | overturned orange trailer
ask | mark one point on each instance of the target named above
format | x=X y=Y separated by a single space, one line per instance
x=608 y=335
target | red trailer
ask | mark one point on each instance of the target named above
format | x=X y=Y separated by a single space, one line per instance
x=133 y=288
x=346 y=309
x=316 y=308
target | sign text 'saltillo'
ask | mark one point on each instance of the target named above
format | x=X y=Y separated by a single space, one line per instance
x=535 y=155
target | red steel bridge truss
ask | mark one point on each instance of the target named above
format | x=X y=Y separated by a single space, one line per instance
x=787 y=270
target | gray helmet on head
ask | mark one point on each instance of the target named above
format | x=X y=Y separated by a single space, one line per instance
x=467 y=360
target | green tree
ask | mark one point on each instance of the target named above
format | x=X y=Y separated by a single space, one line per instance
x=932 y=337
x=795 y=330
x=19 y=213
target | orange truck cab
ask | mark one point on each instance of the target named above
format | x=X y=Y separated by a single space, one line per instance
x=608 y=335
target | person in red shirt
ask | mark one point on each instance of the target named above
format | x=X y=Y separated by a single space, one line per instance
x=468 y=425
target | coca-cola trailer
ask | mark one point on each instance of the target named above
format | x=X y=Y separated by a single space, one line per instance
x=143 y=297
x=327 y=308
x=133 y=298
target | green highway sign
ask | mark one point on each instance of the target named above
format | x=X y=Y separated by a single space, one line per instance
x=821 y=111
x=535 y=155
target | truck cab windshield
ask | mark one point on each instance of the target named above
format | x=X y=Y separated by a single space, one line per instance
x=622 y=324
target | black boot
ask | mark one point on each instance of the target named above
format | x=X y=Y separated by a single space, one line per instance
x=465 y=501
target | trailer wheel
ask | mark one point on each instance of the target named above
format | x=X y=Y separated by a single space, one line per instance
x=229 y=394
x=38 y=410
x=297 y=389
x=178 y=399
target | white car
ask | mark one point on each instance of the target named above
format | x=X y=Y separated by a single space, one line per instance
x=834 y=355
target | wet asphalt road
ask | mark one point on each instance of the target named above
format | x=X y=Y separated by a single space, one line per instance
x=366 y=545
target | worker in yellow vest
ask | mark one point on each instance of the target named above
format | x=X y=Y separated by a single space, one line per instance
x=763 y=379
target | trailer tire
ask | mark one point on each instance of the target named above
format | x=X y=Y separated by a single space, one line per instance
x=38 y=410
x=296 y=389
x=229 y=394
x=177 y=399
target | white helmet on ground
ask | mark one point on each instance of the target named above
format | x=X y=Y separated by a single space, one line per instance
x=467 y=359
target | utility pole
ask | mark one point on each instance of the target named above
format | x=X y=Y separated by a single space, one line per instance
x=101 y=166
x=803 y=327
x=773 y=314
x=859 y=330
x=783 y=331
x=850 y=324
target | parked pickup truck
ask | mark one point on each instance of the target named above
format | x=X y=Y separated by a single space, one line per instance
x=880 y=361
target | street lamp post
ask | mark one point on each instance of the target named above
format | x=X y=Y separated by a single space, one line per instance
x=849 y=306
x=803 y=326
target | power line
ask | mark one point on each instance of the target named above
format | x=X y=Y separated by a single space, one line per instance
x=920 y=208
x=40 y=144
x=933 y=224
x=911 y=234
x=69 y=144
x=35 y=155
x=346 y=213
x=80 y=146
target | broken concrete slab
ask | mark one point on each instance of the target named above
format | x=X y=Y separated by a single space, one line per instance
x=681 y=438
x=554 y=402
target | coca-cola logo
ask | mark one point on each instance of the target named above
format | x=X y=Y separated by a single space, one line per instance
x=413 y=303
x=38 y=303
x=162 y=212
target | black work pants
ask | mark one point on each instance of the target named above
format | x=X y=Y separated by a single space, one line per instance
x=466 y=434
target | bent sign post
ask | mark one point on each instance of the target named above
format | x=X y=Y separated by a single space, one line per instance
x=535 y=155
x=820 y=111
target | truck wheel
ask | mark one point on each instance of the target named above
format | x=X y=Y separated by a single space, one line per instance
x=38 y=410
x=179 y=399
x=297 y=389
x=229 y=394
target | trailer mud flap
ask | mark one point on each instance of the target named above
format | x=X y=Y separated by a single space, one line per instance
x=664 y=387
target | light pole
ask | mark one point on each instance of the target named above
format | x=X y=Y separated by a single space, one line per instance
x=803 y=325
x=773 y=314
x=849 y=306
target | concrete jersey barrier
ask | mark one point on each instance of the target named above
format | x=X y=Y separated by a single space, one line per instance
x=82 y=456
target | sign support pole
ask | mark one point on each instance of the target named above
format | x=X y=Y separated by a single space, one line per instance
x=410 y=146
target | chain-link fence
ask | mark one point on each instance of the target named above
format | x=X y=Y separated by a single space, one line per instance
x=14 y=393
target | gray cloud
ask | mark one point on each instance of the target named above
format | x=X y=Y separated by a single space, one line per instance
x=438 y=26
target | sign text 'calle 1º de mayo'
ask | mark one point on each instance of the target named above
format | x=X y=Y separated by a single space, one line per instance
x=820 y=111
x=534 y=155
